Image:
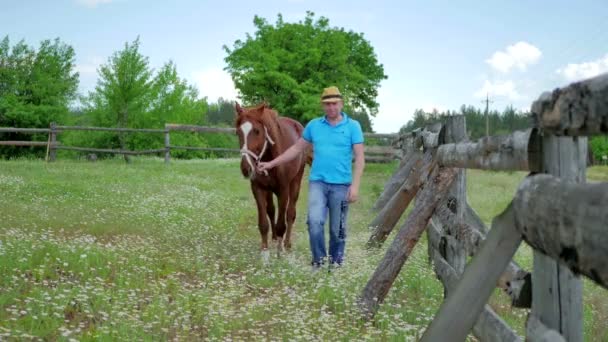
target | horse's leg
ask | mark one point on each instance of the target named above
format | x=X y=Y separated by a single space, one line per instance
x=281 y=225
x=270 y=211
x=260 y=200
x=294 y=193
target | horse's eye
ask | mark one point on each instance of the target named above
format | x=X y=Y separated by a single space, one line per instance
x=256 y=131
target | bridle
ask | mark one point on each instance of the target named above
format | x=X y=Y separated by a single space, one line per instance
x=248 y=154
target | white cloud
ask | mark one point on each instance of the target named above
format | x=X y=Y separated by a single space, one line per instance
x=214 y=83
x=499 y=88
x=93 y=3
x=576 y=72
x=518 y=55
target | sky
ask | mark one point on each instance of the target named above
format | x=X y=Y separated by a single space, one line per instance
x=436 y=53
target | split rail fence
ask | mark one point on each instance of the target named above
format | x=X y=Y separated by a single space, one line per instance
x=383 y=153
x=554 y=211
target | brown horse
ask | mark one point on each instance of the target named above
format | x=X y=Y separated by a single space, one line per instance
x=264 y=135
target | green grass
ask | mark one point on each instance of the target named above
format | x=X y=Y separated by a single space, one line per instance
x=109 y=251
x=598 y=173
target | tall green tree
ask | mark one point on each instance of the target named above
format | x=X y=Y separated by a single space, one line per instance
x=130 y=94
x=289 y=64
x=123 y=90
x=173 y=100
x=36 y=86
x=221 y=113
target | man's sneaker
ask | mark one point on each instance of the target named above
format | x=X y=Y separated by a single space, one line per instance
x=316 y=266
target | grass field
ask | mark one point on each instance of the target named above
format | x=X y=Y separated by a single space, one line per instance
x=109 y=251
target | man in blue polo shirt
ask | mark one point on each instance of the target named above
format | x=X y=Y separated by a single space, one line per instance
x=332 y=182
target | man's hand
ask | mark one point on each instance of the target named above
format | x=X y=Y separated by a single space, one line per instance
x=353 y=194
x=264 y=166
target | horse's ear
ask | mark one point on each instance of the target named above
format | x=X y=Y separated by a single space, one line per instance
x=239 y=109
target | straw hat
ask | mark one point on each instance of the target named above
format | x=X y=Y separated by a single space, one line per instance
x=331 y=94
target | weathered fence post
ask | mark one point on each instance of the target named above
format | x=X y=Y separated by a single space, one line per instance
x=167 y=146
x=556 y=291
x=53 y=142
x=456 y=200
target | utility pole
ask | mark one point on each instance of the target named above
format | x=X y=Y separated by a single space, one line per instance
x=487 y=101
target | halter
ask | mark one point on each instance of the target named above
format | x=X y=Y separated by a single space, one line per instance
x=248 y=154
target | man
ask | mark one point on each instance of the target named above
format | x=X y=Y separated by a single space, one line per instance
x=332 y=182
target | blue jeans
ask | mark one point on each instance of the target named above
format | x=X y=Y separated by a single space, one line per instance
x=324 y=197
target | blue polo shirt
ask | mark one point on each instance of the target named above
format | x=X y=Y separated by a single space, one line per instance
x=333 y=148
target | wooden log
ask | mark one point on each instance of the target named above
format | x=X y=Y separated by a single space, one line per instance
x=516 y=151
x=167 y=146
x=107 y=150
x=381 y=135
x=24 y=143
x=455 y=131
x=557 y=291
x=430 y=136
x=383 y=150
x=489 y=326
x=453 y=322
x=52 y=143
x=377 y=159
x=406 y=144
x=379 y=284
x=200 y=129
x=23 y=130
x=210 y=149
x=515 y=281
x=397 y=180
x=580 y=108
x=390 y=214
x=536 y=331
x=568 y=222
x=109 y=129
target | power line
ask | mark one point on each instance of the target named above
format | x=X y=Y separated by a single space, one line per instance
x=487 y=101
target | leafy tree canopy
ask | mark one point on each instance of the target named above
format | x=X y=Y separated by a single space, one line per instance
x=289 y=64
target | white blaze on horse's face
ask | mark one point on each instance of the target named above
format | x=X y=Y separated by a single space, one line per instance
x=246 y=129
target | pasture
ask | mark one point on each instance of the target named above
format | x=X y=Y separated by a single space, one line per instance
x=108 y=251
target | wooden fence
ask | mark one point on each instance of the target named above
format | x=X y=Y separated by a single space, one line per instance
x=375 y=154
x=563 y=219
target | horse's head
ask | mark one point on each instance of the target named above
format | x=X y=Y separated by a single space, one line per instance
x=254 y=136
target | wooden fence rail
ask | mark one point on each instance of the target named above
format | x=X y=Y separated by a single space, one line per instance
x=563 y=219
x=567 y=222
x=578 y=109
x=23 y=130
x=374 y=154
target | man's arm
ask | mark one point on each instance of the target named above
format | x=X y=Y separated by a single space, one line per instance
x=358 y=172
x=286 y=156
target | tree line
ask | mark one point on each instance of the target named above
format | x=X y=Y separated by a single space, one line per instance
x=494 y=122
x=285 y=64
